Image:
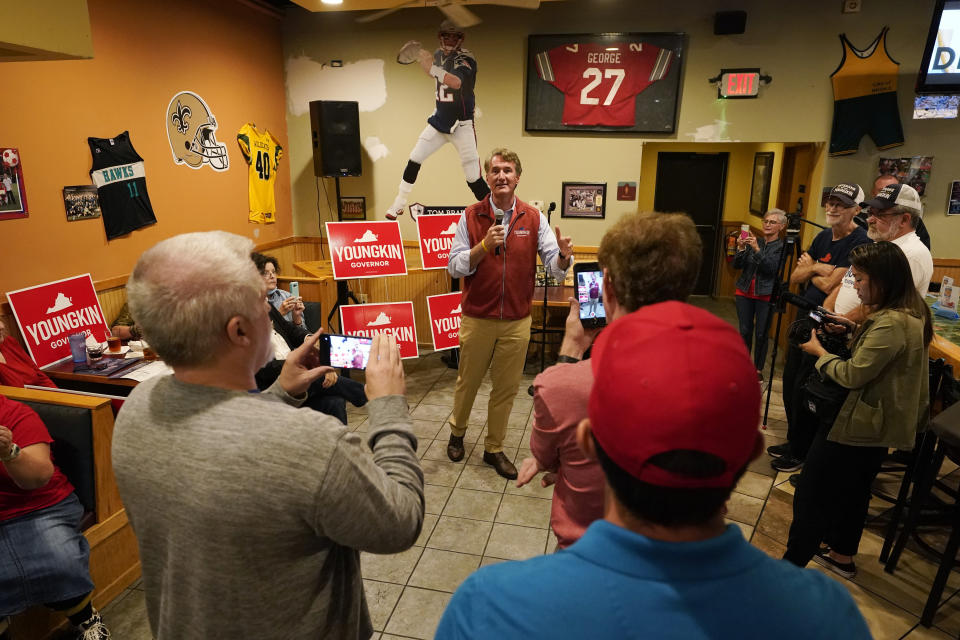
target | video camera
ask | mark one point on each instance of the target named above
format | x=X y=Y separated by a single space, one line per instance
x=799 y=331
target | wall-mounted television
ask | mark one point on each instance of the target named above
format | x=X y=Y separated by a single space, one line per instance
x=940 y=65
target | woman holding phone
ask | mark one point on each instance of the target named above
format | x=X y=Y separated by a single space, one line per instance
x=290 y=305
x=887 y=375
x=759 y=259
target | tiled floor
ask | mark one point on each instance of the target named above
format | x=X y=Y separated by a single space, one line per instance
x=475 y=518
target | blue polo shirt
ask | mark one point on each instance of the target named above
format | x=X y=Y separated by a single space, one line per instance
x=614 y=583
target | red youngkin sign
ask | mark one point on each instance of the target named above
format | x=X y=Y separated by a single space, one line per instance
x=387 y=317
x=445 y=320
x=48 y=314
x=366 y=249
x=436 y=237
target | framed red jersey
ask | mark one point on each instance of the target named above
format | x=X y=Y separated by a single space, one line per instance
x=606 y=82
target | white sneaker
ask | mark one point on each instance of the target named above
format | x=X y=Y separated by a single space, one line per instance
x=393 y=212
x=93 y=628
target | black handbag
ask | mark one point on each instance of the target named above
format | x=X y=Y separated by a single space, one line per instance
x=823 y=397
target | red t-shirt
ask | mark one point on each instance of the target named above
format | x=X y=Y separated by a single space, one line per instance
x=27 y=429
x=19 y=369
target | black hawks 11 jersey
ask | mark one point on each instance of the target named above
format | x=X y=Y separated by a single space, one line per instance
x=262 y=152
x=454 y=105
x=121 y=185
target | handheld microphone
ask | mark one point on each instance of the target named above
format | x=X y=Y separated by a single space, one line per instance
x=861 y=220
x=499 y=218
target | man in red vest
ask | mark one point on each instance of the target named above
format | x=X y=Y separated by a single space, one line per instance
x=495 y=252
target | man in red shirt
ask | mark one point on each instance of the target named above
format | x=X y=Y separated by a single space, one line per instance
x=646 y=258
x=46 y=559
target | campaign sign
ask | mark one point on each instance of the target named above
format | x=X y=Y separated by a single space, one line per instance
x=436 y=237
x=386 y=317
x=48 y=314
x=417 y=210
x=367 y=249
x=445 y=320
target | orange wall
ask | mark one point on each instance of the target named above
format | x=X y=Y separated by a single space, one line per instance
x=144 y=53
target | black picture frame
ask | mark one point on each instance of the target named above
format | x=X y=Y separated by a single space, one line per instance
x=654 y=103
x=81 y=202
x=953 y=198
x=353 y=207
x=760 y=183
x=584 y=200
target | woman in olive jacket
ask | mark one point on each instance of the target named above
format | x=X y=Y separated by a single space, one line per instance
x=887 y=375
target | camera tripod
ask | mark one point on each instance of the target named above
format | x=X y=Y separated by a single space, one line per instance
x=791 y=250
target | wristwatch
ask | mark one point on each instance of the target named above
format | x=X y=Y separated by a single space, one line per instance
x=14 y=452
x=568 y=359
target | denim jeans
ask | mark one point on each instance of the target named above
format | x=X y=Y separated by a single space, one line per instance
x=754 y=316
x=43 y=557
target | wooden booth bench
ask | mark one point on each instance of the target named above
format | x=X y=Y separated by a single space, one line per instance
x=82 y=429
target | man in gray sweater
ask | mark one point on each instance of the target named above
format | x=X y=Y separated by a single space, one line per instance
x=250 y=512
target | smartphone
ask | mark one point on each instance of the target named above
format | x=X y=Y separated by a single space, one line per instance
x=295 y=289
x=744 y=231
x=350 y=352
x=589 y=281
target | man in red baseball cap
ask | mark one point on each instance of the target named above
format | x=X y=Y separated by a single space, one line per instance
x=673 y=420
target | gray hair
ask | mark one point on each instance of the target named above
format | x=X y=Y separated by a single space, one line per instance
x=184 y=290
x=780 y=213
x=899 y=210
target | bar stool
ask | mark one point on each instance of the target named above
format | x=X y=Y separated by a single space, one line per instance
x=945 y=432
x=923 y=452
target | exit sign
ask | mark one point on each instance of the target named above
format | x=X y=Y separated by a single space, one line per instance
x=740 y=84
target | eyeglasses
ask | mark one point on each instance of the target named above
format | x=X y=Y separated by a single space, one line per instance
x=772 y=222
x=874 y=214
x=837 y=204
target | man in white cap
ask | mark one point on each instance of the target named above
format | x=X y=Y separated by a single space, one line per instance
x=886 y=180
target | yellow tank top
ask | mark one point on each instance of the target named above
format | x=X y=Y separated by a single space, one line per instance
x=865 y=72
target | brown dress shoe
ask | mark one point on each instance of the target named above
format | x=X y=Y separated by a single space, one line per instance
x=499 y=462
x=455 y=448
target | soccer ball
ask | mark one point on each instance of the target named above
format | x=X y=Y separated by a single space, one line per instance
x=10 y=158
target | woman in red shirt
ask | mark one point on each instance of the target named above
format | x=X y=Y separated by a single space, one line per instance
x=46 y=559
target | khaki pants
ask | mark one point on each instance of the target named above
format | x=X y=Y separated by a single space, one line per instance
x=498 y=345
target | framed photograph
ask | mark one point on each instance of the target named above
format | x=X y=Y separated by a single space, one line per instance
x=760 y=186
x=13 y=195
x=584 y=200
x=81 y=202
x=914 y=171
x=609 y=82
x=353 y=207
x=953 y=199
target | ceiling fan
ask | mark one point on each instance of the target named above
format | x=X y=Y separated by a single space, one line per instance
x=454 y=10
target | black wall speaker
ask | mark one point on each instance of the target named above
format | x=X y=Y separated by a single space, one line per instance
x=727 y=23
x=335 y=131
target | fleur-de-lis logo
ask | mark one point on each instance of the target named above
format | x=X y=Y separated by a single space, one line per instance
x=180 y=116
